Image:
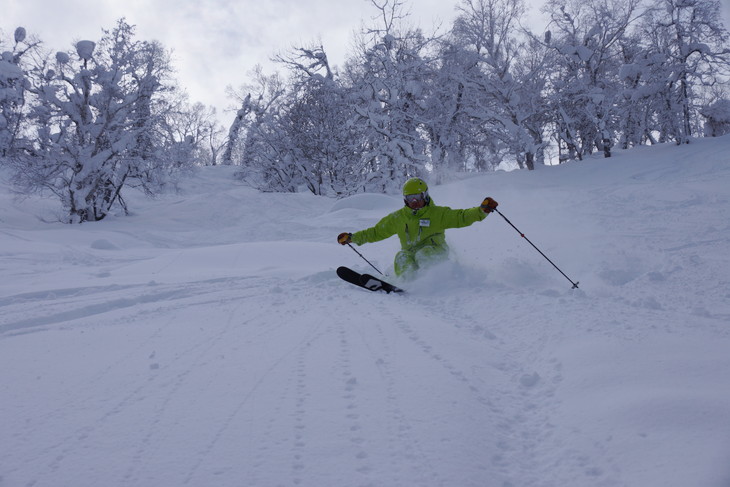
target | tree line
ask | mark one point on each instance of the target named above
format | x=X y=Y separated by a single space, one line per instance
x=486 y=93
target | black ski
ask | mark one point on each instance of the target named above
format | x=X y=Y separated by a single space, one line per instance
x=367 y=281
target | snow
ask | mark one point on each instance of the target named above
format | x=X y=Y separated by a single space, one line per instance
x=19 y=34
x=205 y=339
x=62 y=57
x=8 y=71
x=718 y=111
x=629 y=71
x=85 y=49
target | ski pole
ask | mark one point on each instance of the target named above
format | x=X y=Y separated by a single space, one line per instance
x=575 y=284
x=363 y=258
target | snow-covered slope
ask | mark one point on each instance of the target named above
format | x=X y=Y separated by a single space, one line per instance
x=206 y=341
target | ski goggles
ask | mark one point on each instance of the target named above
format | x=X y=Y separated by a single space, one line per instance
x=414 y=198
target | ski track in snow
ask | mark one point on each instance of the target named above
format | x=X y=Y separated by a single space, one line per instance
x=488 y=392
x=515 y=401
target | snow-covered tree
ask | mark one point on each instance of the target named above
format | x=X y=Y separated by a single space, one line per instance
x=389 y=77
x=504 y=80
x=690 y=41
x=456 y=128
x=298 y=134
x=236 y=131
x=637 y=121
x=717 y=118
x=193 y=133
x=13 y=86
x=318 y=123
x=255 y=138
x=97 y=120
x=528 y=106
x=587 y=36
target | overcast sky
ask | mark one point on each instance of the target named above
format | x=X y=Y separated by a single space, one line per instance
x=216 y=43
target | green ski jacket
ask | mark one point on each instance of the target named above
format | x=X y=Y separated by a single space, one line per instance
x=418 y=229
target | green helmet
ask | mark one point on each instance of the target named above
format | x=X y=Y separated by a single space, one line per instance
x=415 y=186
x=415 y=193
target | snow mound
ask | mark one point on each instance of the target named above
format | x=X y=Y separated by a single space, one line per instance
x=368 y=201
x=103 y=244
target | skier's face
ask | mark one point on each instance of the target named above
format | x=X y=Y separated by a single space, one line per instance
x=415 y=201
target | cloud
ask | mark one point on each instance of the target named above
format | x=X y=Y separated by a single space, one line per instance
x=215 y=43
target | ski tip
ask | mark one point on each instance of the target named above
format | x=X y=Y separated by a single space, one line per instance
x=344 y=271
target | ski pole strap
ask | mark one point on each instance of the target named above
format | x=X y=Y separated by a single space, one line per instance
x=363 y=258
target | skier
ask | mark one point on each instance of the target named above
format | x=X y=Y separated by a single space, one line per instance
x=420 y=226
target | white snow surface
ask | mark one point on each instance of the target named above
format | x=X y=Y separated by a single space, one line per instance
x=205 y=340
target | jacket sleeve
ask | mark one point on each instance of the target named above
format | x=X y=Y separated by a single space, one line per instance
x=460 y=218
x=385 y=228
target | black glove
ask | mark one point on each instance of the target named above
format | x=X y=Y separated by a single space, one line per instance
x=344 y=238
x=488 y=205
